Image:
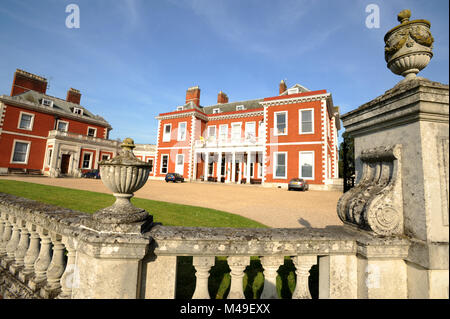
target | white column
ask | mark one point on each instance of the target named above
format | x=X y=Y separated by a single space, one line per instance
x=205 y=169
x=233 y=167
x=219 y=167
x=249 y=158
x=241 y=166
x=228 y=169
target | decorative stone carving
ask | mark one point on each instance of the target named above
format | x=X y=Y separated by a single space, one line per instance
x=408 y=46
x=271 y=265
x=303 y=265
x=123 y=175
x=237 y=265
x=376 y=203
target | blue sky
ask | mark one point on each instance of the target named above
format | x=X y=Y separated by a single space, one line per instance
x=134 y=59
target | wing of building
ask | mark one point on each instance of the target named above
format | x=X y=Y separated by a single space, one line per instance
x=267 y=140
x=44 y=134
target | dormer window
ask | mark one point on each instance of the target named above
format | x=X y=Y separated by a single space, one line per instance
x=216 y=111
x=180 y=108
x=293 y=90
x=47 y=102
x=239 y=107
x=78 y=111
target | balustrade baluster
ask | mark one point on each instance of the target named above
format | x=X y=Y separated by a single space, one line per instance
x=70 y=278
x=56 y=268
x=237 y=265
x=5 y=234
x=303 y=265
x=22 y=247
x=202 y=266
x=31 y=254
x=43 y=261
x=13 y=242
x=271 y=265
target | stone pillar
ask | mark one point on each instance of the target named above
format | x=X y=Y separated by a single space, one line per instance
x=159 y=277
x=43 y=261
x=415 y=115
x=32 y=253
x=338 y=277
x=22 y=248
x=6 y=235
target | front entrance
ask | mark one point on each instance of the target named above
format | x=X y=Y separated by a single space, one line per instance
x=65 y=160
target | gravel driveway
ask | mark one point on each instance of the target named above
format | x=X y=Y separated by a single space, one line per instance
x=273 y=207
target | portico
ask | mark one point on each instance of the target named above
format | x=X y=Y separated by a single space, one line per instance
x=229 y=165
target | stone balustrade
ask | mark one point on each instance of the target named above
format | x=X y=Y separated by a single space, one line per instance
x=49 y=252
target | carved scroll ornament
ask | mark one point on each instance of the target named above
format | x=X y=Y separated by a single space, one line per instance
x=376 y=203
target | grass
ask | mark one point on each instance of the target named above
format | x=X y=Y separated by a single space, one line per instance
x=168 y=214
x=175 y=215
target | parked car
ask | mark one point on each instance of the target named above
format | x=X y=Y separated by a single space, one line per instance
x=298 y=183
x=174 y=177
x=93 y=173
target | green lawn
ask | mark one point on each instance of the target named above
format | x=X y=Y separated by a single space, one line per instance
x=168 y=214
x=174 y=215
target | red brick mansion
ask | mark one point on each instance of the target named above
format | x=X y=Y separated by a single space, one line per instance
x=268 y=140
x=40 y=133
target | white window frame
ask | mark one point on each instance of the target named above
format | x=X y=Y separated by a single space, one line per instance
x=161 y=166
x=27 y=155
x=109 y=157
x=95 y=131
x=90 y=159
x=50 y=104
x=61 y=121
x=240 y=131
x=300 y=123
x=80 y=110
x=275 y=123
x=179 y=108
x=153 y=164
x=167 y=136
x=176 y=163
x=31 y=122
x=179 y=131
x=240 y=107
x=216 y=111
x=223 y=128
x=215 y=131
x=300 y=164
x=275 y=161
x=293 y=91
x=246 y=130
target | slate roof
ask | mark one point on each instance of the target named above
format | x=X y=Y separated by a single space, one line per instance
x=58 y=104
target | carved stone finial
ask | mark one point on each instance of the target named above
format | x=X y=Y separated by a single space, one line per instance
x=404 y=16
x=408 y=46
x=128 y=144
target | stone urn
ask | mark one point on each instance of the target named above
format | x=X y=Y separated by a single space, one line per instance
x=408 y=46
x=123 y=175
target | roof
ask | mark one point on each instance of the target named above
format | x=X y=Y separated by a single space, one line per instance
x=58 y=105
x=231 y=107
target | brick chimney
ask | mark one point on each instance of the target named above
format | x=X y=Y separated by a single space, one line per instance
x=193 y=94
x=24 y=81
x=73 y=96
x=222 y=98
x=283 y=86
